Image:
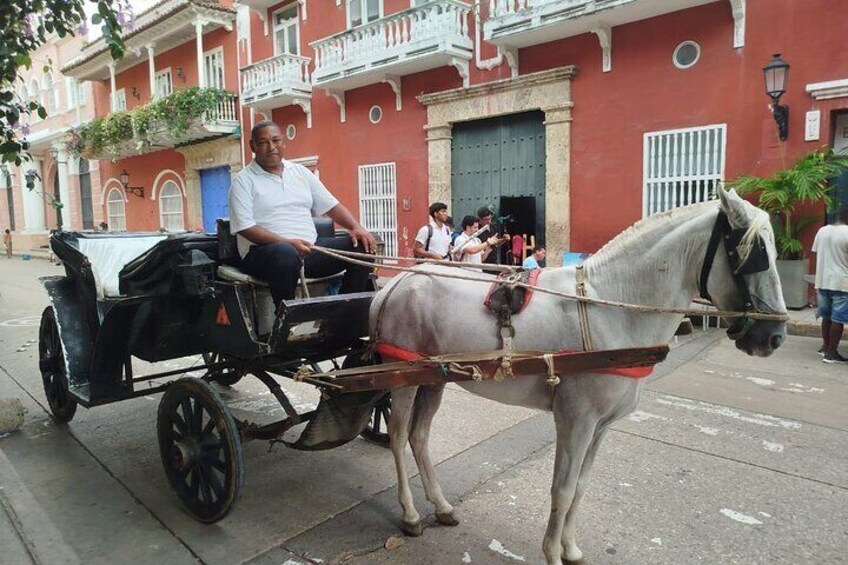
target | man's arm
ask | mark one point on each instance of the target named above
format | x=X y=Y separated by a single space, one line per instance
x=261 y=236
x=345 y=219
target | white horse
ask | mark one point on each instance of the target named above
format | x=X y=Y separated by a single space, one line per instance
x=658 y=261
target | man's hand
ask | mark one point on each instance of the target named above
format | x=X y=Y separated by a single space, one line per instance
x=302 y=247
x=361 y=235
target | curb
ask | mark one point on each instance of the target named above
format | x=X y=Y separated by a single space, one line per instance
x=40 y=539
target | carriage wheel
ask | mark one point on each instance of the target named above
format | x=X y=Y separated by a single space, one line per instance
x=228 y=376
x=51 y=362
x=377 y=430
x=200 y=449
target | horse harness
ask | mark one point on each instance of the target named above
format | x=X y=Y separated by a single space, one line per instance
x=742 y=262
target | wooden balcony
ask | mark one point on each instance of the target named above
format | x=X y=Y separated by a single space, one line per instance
x=429 y=36
x=280 y=81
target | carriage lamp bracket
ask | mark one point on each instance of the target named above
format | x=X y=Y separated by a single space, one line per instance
x=125 y=182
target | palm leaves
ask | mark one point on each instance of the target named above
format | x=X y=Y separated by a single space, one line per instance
x=782 y=193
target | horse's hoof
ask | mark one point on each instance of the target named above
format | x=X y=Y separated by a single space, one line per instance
x=447 y=519
x=573 y=555
x=412 y=529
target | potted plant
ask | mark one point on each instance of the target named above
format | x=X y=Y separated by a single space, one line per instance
x=785 y=195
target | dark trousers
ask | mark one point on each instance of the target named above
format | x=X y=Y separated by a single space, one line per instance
x=279 y=265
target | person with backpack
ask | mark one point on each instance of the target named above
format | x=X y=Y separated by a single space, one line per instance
x=433 y=240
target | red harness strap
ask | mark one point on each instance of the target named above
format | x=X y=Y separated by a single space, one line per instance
x=393 y=352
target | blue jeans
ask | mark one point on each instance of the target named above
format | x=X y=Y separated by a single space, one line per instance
x=279 y=265
x=833 y=305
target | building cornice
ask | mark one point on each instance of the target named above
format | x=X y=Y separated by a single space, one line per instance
x=830 y=89
x=489 y=88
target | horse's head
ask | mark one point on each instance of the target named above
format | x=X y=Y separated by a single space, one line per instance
x=739 y=274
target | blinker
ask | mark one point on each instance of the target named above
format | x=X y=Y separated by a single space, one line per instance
x=757 y=256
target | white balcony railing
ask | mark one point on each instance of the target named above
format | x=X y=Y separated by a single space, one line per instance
x=277 y=81
x=430 y=31
x=225 y=112
x=499 y=8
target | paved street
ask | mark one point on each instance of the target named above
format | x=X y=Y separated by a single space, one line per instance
x=728 y=459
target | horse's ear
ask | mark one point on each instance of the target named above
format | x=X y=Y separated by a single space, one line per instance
x=734 y=206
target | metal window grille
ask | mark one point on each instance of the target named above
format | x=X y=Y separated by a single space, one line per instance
x=115 y=211
x=171 y=207
x=378 y=203
x=682 y=167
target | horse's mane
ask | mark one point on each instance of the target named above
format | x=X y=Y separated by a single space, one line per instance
x=758 y=221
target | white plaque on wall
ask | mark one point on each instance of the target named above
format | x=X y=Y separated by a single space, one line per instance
x=812 y=126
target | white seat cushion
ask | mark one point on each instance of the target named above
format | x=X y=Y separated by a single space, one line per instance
x=109 y=255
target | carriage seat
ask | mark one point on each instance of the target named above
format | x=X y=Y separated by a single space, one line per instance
x=108 y=255
x=230 y=259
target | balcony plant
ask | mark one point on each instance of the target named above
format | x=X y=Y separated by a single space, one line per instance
x=787 y=195
x=173 y=115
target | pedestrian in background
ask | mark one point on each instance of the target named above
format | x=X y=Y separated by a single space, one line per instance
x=831 y=248
x=470 y=249
x=433 y=240
x=7 y=243
x=532 y=262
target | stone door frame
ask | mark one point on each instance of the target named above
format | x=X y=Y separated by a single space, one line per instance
x=548 y=91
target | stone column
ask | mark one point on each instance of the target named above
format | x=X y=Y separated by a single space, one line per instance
x=557 y=181
x=201 y=71
x=111 y=86
x=194 y=213
x=33 y=201
x=64 y=186
x=152 y=70
x=439 y=161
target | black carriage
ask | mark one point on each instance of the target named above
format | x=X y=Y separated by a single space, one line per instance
x=158 y=297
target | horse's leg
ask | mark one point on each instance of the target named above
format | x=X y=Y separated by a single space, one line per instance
x=575 y=428
x=403 y=401
x=426 y=405
x=569 y=532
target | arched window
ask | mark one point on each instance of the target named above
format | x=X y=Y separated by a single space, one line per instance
x=34 y=96
x=24 y=94
x=115 y=211
x=171 y=207
x=48 y=99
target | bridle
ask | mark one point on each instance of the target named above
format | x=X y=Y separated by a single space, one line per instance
x=755 y=261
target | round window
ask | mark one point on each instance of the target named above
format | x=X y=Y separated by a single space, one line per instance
x=686 y=54
x=291 y=132
x=375 y=114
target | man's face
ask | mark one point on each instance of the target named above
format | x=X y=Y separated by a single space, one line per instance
x=485 y=220
x=267 y=147
x=441 y=216
x=540 y=254
x=472 y=228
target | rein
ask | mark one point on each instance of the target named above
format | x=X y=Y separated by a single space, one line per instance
x=367 y=260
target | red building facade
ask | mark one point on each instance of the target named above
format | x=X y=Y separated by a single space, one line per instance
x=583 y=116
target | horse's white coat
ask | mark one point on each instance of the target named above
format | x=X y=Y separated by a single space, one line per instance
x=655 y=262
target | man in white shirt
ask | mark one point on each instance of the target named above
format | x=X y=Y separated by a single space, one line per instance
x=469 y=249
x=433 y=240
x=831 y=248
x=272 y=203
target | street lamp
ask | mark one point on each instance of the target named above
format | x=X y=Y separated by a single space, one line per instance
x=125 y=181
x=57 y=199
x=777 y=76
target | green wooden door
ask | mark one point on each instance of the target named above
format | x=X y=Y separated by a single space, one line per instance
x=499 y=162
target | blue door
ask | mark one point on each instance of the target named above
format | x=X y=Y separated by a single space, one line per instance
x=214 y=189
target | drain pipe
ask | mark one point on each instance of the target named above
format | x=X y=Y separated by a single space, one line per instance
x=488 y=64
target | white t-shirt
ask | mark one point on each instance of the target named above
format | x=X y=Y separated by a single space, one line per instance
x=440 y=242
x=464 y=256
x=831 y=248
x=283 y=205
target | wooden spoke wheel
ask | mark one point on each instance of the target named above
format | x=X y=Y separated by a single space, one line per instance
x=51 y=362
x=200 y=448
x=377 y=430
x=227 y=376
